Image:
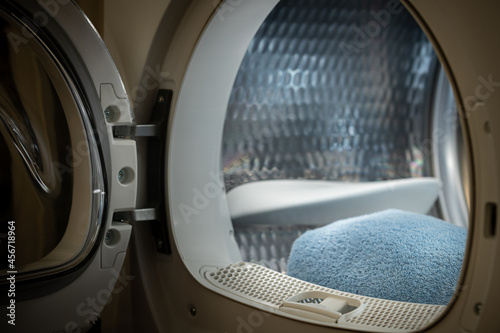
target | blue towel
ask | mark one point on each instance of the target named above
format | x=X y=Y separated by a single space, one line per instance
x=392 y=255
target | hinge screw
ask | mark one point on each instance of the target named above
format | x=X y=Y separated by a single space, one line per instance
x=161 y=99
x=478 y=308
x=159 y=243
x=107 y=237
x=107 y=113
x=192 y=311
x=121 y=175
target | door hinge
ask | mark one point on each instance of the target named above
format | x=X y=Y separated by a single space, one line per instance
x=155 y=134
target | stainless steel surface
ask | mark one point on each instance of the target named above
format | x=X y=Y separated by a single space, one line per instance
x=136 y=215
x=268 y=245
x=449 y=157
x=124 y=131
x=325 y=91
x=331 y=90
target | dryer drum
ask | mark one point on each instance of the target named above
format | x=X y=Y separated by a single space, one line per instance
x=336 y=109
x=344 y=91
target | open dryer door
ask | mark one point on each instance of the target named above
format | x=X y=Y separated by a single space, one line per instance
x=63 y=174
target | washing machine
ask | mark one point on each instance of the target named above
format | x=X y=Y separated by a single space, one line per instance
x=162 y=160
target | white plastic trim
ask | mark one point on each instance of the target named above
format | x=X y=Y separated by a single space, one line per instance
x=331 y=305
x=316 y=202
x=270 y=291
x=201 y=223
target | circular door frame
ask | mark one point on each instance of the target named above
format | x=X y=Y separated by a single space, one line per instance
x=470 y=60
x=184 y=175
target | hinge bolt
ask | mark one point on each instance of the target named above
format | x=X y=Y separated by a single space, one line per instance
x=192 y=311
x=121 y=175
x=107 y=113
x=107 y=237
x=478 y=308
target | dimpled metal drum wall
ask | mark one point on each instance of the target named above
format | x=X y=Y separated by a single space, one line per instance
x=328 y=90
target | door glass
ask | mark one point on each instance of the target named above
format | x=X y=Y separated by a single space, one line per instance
x=45 y=178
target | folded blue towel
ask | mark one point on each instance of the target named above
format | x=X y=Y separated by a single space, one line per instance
x=392 y=255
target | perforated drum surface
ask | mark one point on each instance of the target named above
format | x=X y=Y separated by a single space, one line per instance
x=267 y=245
x=331 y=90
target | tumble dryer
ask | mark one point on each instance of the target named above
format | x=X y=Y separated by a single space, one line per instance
x=171 y=182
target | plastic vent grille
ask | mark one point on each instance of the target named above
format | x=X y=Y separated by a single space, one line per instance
x=312 y=300
x=265 y=286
